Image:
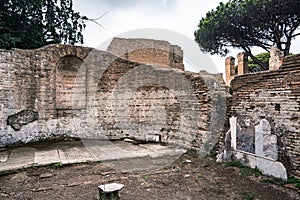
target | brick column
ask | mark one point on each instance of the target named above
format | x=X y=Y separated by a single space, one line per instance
x=229 y=69
x=242 y=63
x=276 y=57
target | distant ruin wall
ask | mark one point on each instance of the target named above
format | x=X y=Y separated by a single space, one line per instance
x=153 y=52
x=274 y=96
x=69 y=91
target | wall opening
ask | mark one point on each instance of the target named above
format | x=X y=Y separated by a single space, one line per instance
x=71 y=84
x=277 y=107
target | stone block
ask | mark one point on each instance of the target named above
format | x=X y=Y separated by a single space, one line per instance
x=266 y=166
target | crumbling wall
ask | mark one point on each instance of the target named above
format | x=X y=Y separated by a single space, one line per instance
x=272 y=96
x=153 y=52
x=138 y=100
x=69 y=91
x=28 y=92
x=229 y=69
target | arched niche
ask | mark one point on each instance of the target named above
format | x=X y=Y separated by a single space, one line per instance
x=70 y=84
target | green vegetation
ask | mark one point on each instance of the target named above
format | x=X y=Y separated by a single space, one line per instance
x=295 y=181
x=178 y=169
x=58 y=165
x=245 y=171
x=274 y=181
x=234 y=164
x=291 y=180
x=32 y=24
x=246 y=196
x=254 y=66
x=245 y=24
x=200 y=176
x=262 y=57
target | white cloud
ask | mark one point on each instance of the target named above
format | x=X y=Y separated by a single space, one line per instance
x=181 y=16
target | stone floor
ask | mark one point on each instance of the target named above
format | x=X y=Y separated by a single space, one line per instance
x=70 y=152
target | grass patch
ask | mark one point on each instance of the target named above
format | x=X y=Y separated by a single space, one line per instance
x=244 y=170
x=234 y=164
x=291 y=180
x=257 y=172
x=274 y=181
x=246 y=196
x=34 y=167
x=295 y=181
x=58 y=165
x=178 y=169
x=200 y=176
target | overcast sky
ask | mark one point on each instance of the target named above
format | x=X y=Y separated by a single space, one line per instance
x=180 y=16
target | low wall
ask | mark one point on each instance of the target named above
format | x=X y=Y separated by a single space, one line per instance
x=272 y=96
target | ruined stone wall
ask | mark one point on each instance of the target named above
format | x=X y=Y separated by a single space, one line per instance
x=153 y=52
x=274 y=96
x=69 y=91
x=28 y=92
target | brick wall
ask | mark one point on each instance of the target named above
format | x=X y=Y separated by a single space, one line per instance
x=272 y=95
x=70 y=91
x=28 y=83
x=153 y=52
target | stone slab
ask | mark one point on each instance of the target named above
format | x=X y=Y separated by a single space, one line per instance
x=122 y=150
x=62 y=156
x=46 y=157
x=67 y=154
x=75 y=155
x=266 y=166
x=19 y=158
x=111 y=152
x=232 y=122
x=154 y=147
x=4 y=156
x=169 y=152
x=112 y=187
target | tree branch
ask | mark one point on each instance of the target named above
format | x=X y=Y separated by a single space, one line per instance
x=95 y=20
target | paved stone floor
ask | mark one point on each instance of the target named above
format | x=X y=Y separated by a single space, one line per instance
x=70 y=152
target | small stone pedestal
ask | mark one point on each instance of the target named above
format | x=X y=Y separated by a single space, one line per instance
x=110 y=191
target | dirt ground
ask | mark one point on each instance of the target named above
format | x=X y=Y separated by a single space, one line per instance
x=188 y=178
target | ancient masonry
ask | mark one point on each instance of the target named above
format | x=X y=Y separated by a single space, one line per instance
x=267 y=110
x=61 y=91
x=138 y=89
x=155 y=52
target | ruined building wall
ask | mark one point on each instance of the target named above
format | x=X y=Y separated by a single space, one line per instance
x=69 y=91
x=28 y=92
x=274 y=96
x=153 y=52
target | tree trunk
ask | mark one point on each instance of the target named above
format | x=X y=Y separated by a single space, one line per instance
x=287 y=47
x=261 y=64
